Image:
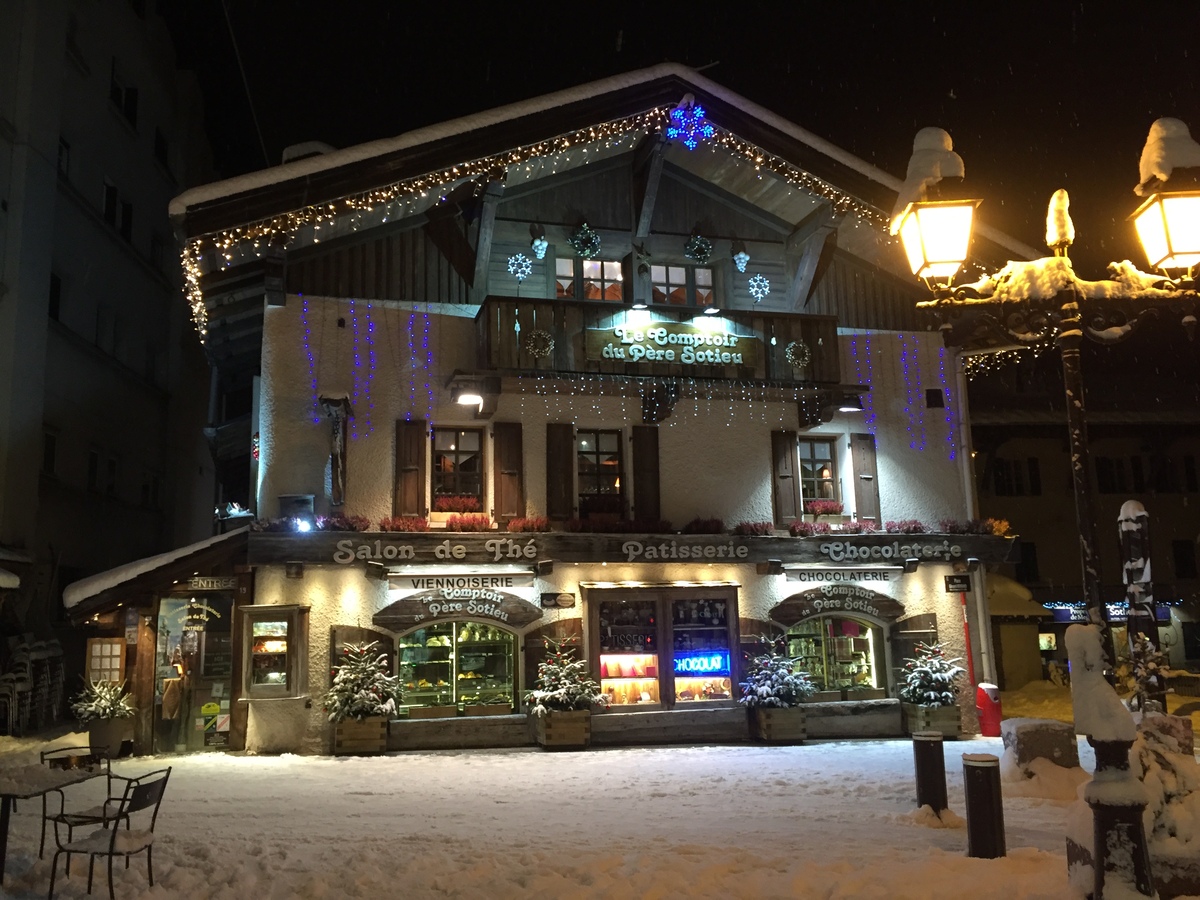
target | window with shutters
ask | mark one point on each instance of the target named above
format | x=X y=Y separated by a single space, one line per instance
x=457 y=476
x=599 y=463
x=106 y=659
x=588 y=279
x=818 y=469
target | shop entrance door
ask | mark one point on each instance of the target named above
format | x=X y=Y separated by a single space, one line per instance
x=193 y=672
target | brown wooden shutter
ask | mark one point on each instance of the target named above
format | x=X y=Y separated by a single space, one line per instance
x=645 y=474
x=510 y=471
x=866 y=477
x=785 y=478
x=560 y=470
x=409 y=498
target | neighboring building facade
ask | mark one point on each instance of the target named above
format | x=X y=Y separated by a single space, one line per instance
x=101 y=396
x=539 y=316
x=1143 y=398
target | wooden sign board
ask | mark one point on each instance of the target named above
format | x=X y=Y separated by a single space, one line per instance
x=436 y=606
x=677 y=343
x=836 y=599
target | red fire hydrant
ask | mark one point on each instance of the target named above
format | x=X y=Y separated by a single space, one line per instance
x=987 y=704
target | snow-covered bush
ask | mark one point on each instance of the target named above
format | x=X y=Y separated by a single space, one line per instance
x=563 y=683
x=1144 y=673
x=102 y=700
x=931 y=679
x=773 y=680
x=362 y=686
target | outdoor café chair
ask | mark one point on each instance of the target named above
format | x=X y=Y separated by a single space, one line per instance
x=138 y=809
x=76 y=758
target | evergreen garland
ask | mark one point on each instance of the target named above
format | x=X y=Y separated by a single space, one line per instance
x=362 y=686
x=772 y=679
x=563 y=683
x=931 y=679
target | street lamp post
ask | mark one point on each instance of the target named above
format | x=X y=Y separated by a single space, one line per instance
x=1032 y=303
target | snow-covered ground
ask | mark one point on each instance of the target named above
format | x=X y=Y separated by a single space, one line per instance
x=824 y=820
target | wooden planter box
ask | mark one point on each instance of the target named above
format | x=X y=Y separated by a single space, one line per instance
x=865 y=693
x=564 y=730
x=489 y=709
x=432 y=712
x=778 y=725
x=944 y=719
x=352 y=736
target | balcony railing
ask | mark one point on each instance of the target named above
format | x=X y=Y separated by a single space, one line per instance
x=570 y=336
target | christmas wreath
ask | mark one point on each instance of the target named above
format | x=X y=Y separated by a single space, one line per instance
x=797 y=354
x=539 y=344
x=585 y=241
x=698 y=248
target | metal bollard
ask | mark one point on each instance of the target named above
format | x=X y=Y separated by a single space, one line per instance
x=931 y=770
x=985 y=806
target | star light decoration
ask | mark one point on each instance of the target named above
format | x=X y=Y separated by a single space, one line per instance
x=760 y=287
x=689 y=125
x=519 y=266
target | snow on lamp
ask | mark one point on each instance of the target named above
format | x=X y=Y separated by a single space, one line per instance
x=1168 y=222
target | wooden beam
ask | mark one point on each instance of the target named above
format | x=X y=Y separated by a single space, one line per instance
x=486 y=228
x=647 y=175
x=812 y=240
x=708 y=189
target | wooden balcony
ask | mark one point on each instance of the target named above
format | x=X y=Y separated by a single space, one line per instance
x=605 y=338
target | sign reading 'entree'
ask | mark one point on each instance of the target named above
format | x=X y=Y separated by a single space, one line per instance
x=671 y=342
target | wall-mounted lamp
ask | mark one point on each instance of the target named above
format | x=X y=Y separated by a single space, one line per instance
x=376 y=570
x=481 y=392
x=972 y=564
x=910 y=566
x=294 y=569
x=850 y=403
x=770 y=567
x=545 y=566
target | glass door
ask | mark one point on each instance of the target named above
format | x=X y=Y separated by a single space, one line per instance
x=193 y=672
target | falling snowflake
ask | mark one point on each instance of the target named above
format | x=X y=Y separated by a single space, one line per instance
x=519 y=266
x=759 y=288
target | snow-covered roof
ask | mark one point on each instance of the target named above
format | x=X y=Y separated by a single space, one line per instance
x=8 y=581
x=78 y=591
x=7 y=554
x=511 y=112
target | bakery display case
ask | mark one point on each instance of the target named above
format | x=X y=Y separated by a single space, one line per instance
x=701 y=650
x=461 y=666
x=269 y=652
x=628 y=638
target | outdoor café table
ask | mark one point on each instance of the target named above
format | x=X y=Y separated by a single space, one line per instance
x=27 y=782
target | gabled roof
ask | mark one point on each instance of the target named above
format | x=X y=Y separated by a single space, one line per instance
x=318 y=179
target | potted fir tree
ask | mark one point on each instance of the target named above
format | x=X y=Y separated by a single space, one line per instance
x=560 y=706
x=772 y=693
x=929 y=695
x=104 y=707
x=361 y=700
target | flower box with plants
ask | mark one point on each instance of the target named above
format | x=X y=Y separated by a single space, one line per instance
x=469 y=522
x=362 y=699
x=825 y=511
x=754 y=529
x=929 y=694
x=404 y=524
x=773 y=692
x=531 y=523
x=106 y=709
x=457 y=503
x=560 y=705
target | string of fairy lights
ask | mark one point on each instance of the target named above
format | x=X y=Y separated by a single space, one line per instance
x=210 y=252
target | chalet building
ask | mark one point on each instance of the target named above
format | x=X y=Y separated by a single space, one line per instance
x=629 y=331
x=102 y=392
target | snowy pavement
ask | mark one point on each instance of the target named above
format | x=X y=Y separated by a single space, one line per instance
x=823 y=820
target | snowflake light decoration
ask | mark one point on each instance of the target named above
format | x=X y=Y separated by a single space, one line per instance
x=689 y=125
x=519 y=266
x=760 y=287
x=741 y=259
x=539 y=246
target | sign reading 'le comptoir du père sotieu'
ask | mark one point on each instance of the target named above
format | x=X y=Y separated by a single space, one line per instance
x=673 y=342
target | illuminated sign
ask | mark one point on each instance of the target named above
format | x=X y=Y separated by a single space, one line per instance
x=702 y=662
x=673 y=342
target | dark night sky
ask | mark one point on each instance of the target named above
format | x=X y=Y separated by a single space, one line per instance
x=1036 y=97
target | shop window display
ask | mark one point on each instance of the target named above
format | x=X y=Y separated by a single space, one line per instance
x=839 y=653
x=465 y=665
x=700 y=639
x=629 y=651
